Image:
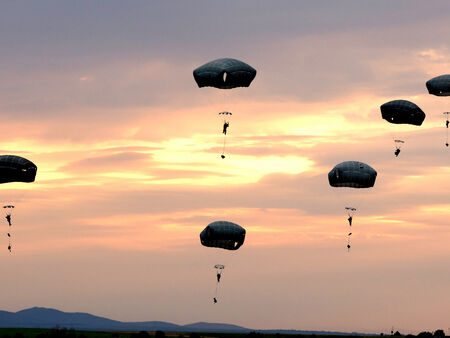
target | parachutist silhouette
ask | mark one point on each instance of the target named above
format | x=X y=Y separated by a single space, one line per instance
x=446 y=144
x=215 y=300
x=349 y=233
x=222 y=235
x=225 y=127
x=223 y=156
x=446 y=123
x=348 y=247
x=9 y=248
x=352 y=174
x=8 y=218
x=397 y=151
x=9 y=235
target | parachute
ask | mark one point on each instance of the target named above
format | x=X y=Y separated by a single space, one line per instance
x=350 y=210
x=6 y=208
x=15 y=169
x=222 y=235
x=439 y=85
x=402 y=112
x=224 y=73
x=352 y=174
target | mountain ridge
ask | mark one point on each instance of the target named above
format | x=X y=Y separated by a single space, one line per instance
x=42 y=317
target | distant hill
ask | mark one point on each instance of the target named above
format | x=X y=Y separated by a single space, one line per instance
x=39 y=317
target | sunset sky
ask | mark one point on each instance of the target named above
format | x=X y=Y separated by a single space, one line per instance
x=100 y=96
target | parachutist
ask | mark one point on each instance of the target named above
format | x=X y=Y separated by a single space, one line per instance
x=9 y=235
x=348 y=247
x=9 y=248
x=222 y=235
x=446 y=144
x=446 y=123
x=223 y=156
x=215 y=300
x=350 y=219
x=397 y=151
x=225 y=127
x=8 y=218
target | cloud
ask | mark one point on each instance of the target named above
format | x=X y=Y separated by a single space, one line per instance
x=109 y=163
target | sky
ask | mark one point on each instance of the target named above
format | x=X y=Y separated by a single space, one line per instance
x=101 y=97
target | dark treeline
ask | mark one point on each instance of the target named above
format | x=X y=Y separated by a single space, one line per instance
x=424 y=334
x=70 y=333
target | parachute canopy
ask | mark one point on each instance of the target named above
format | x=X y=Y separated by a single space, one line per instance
x=16 y=169
x=352 y=174
x=224 y=74
x=225 y=113
x=402 y=112
x=224 y=235
x=439 y=85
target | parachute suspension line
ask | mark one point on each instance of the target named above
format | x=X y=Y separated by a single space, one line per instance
x=226 y=124
x=447 y=122
x=350 y=212
x=219 y=269
x=224 y=144
x=9 y=241
x=217 y=290
x=394 y=139
x=8 y=211
x=398 y=147
x=348 y=242
x=348 y=236
x=9 y=232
